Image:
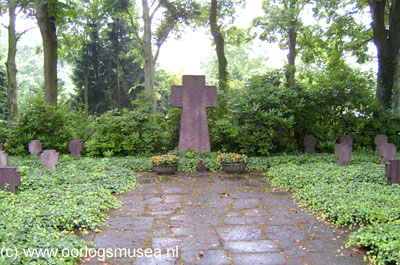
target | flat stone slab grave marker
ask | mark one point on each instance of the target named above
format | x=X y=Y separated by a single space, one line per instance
x=10 y=176
x=35 y=147
x=392 y=171
x=343 y=154
x=346 y=139
x=387 y=151
x=50 y=159
x=310 y=142
x=379 y=140
x=194 y=97
x=75 y=147
x=3 y=159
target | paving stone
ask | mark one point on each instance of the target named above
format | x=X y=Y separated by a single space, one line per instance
x=322 y=245
x=172 y=199
x=164 y=207
x=177 y=190
x=156 y=260
x=336 y=259
x=218 y=202
x=205 y=211
x=260 y=246
x=320 y=231
x=205 y=257
x=247 y=194
x=256 y=212
x=128 y=223
x=246 y=203
x=192 y=220
x=279 y=220
x=273 y=202
x=194 y=201
x=120 y=239
x=165 y=243
x=153 y=199
x=259 y=259
x=295 y=252
x=235 y=233
x=231 y=214
x=247 y=220
x=129 y=200
x=285 y=233
x=186 y=231
x=298 y=262
x=128 y=210
x=200 y=243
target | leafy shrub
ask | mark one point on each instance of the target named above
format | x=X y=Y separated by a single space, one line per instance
x=128 y=132
x=40 y=121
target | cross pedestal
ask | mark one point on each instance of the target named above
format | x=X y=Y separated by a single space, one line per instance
x=194 y=97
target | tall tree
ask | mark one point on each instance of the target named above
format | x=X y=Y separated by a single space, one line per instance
x=386 y=30
x=283 y=18
x=46 y=18
x=219 y=45
x=107 y=64
x=174 y=14
x=11 y=65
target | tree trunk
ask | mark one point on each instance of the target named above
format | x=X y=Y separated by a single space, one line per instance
x=291 y=67
x=47 y=26
x=148 y=55
x=11 y=65
x=396 y=96
x=219 y=46
x=387 y=41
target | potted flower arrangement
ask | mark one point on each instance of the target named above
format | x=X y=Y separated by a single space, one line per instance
x=232 y=162
x=165 y=164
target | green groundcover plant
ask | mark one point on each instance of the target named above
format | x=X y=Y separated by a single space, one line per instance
x=355 y=196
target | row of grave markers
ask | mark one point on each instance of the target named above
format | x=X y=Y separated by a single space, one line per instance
x=343 y=152
x=49 y=158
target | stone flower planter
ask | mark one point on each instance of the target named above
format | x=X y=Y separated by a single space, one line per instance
x=234 y=168
x=165 y=169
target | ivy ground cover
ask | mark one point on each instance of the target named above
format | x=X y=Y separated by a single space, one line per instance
x=52 y=206
x=355 y=196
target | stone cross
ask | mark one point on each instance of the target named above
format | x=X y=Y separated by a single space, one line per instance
x=194 y=97
x=310 y=142
x=392 y=171
x=35 y=147
x=75 y=147
x=10 y=176
x=343 y=154
x=346 y=139
x=387 y=151
x=50 y=159
x=379 y=140
x=3 y=159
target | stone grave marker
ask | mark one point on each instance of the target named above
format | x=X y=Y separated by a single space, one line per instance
x=379 y=140
x=35 y=147
x=387 y=151
x=10 y=176
x=50 y=159
x=392 y=171
x=194 y=97
x=310 y=142
x=346 y=139
x=343 y=154
x=75 y=147
x=3 y=159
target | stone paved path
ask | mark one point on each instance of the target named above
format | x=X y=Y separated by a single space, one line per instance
x=216 y=219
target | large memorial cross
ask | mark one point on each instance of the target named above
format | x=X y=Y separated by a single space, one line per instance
x=194 y=97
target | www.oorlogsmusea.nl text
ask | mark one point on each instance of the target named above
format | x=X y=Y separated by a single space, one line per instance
x=100 y=253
